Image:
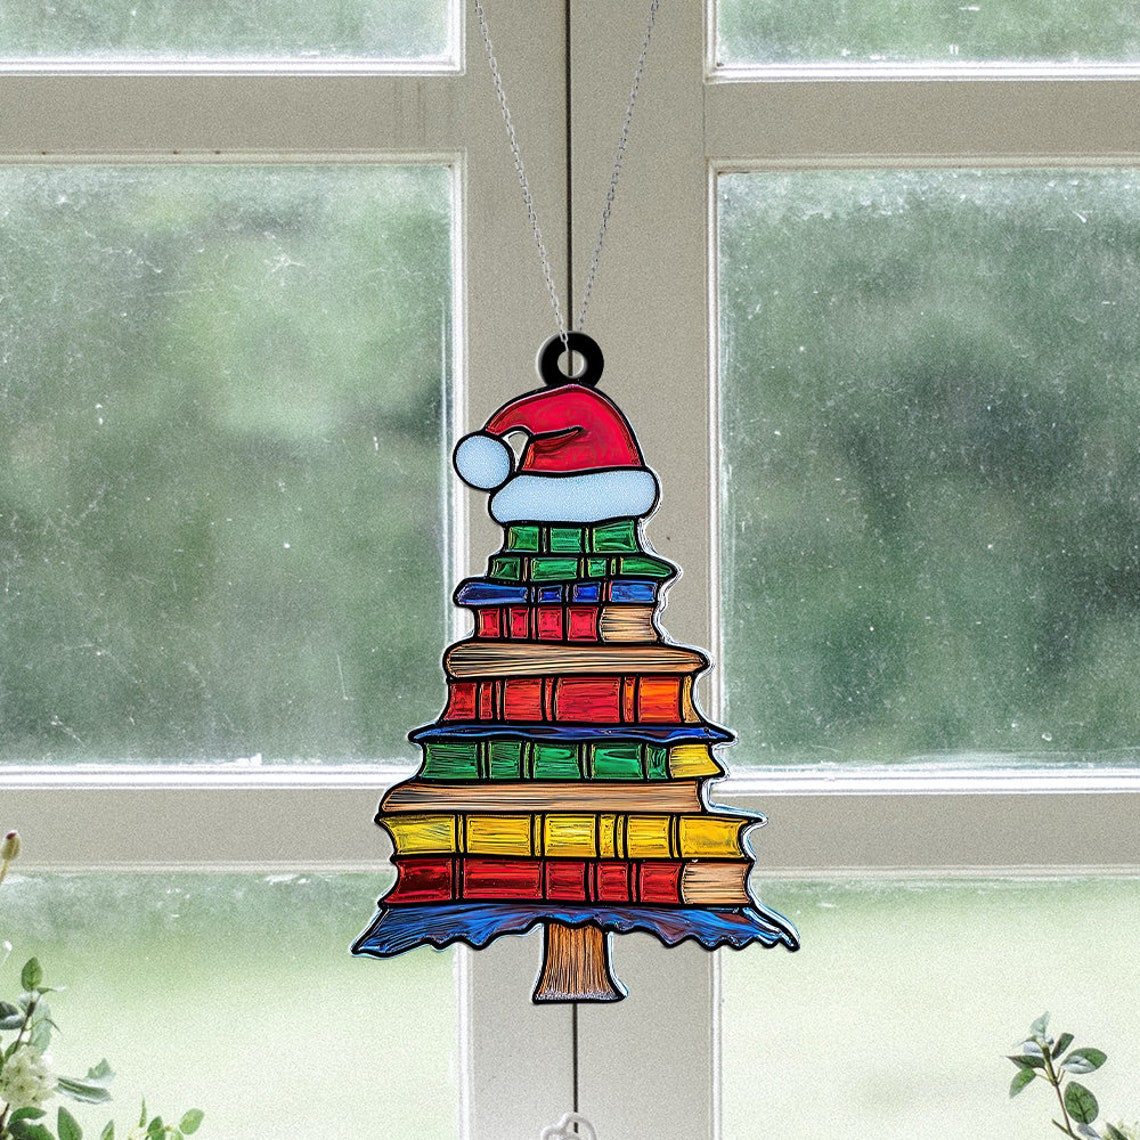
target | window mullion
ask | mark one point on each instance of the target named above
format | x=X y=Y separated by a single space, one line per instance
x=886 y=823
x=282 y=115
x=902 y=121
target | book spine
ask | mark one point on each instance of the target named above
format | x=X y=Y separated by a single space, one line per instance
x=475 y=592
x=512 y=567
x=597 y=699
x=529 y=759
x=609 y=881
x=619 y=536
x=570 y=623
x=481 y=659
x=605 y=835
x=535 y=796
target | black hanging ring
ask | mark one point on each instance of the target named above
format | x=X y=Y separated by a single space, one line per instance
x=551 y=352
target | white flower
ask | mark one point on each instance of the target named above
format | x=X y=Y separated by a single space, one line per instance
x=26 y=1080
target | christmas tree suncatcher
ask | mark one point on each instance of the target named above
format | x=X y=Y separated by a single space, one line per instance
x=564 y=784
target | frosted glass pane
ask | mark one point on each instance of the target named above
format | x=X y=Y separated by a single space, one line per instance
x=226 y=29
x=222 y=398
x=929 y=31
x=895 y=1019
x=931 y=494
x=238 y=995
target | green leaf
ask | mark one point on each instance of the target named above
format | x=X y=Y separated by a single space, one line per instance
x=11 y=1017
x=108 y=1132
x=27 y=1114
x=100 y=1074
x=1038 y=1028
x=156 y=1128
x=1028 y=1060
x=25 y=1130
x=1063 y=1042
x=1021 y=1079
x=85 y=1091
x=68 y=1126
x=192 y=1121
x=142 y=1114
x=1111 y=1132
x=1084 y=1060
x=1080 y=1104
x=40 y=1038
x=32 y=975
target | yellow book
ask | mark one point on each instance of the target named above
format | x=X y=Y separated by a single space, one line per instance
x=576 y=835
x=689 y=760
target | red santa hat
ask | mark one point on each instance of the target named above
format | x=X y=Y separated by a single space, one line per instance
x=581 y=462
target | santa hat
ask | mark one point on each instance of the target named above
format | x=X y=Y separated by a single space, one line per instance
x=581 y=462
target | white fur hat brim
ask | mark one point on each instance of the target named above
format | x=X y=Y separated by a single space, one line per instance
x=588 y=498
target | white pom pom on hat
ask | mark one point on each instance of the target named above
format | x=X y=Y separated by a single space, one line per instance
x=483 y=461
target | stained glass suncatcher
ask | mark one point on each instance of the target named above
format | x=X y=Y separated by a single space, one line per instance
x=564 y=783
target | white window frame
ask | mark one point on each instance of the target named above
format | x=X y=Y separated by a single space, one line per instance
x=654 y=313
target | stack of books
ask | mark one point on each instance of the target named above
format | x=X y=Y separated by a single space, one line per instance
x=564 y=781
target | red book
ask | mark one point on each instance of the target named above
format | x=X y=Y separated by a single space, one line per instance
x=588 y=700
x=460 y=701
x=520 y=622
x=522 y=699
x=548 y=623
x=596 y=699
x=613 y=881
x=659 y=882
x=491 y=879
x=426 y=879
x=581 y=623
x=488 y=622
x=567 y=880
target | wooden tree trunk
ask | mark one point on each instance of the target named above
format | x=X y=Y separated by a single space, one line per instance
x=576 y=965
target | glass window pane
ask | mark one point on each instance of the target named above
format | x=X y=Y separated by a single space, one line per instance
x=168 y=30
x=237 y=995
x=222 y=404
x=759 y=32
x=931 y=485
x=896 y=1017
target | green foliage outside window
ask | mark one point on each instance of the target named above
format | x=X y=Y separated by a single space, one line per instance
x=930 y=31
x=222 y=401
x=931 y=404
x=165 y=29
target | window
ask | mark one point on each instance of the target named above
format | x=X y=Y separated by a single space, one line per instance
x=927 y=36
x=181 y=410
x=656 y=312
x=903 y=828
x=215 y=328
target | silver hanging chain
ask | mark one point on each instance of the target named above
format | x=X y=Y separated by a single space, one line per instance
x=615 y=174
